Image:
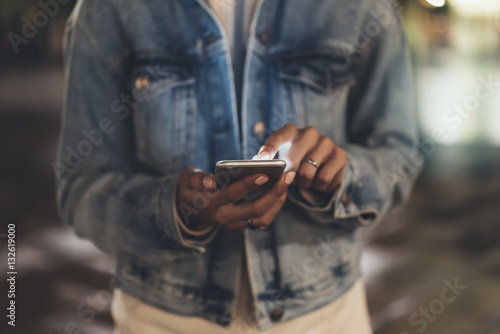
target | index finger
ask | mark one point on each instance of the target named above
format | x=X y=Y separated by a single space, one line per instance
x=275 y=140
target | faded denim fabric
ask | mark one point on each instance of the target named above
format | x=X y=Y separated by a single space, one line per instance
x=150 y=91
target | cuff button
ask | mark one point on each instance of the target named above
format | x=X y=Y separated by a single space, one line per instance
x=277 y=315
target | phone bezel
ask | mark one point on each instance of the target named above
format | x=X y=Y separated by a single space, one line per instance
x=239 y=169
x=250 y=163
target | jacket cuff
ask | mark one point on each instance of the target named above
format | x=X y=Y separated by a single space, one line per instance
x=345 y=204
x=351 y=201
x=171 y=224
x=192 y=238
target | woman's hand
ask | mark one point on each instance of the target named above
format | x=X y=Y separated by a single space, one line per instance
x=201 y=204
x=319 y=163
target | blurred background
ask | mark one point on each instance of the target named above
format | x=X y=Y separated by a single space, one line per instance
x=448 y=235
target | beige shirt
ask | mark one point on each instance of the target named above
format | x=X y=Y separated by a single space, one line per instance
x=225 y=10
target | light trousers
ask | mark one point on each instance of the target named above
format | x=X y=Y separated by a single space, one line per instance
x=346 y=315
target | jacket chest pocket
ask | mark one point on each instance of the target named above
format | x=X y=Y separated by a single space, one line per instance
x=314 y=92
x=164 y=115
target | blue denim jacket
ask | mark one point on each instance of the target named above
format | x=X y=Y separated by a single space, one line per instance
x=150 y=92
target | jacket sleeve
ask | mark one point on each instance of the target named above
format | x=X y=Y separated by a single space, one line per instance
x=100 y=192
x=383 y=157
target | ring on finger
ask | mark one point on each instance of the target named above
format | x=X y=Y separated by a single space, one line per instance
x=251 y=226
x=312 y=162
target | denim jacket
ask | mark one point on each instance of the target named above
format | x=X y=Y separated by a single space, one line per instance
x=150 y=91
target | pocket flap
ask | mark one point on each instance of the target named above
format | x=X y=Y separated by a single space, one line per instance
x=158 y=77
x=321 y=73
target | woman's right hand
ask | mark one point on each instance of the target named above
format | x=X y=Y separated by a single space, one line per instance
x=201 y=204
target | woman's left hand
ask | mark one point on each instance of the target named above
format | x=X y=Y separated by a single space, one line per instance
x=319 y=163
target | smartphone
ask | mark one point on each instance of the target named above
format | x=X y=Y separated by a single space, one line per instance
x=230 y=171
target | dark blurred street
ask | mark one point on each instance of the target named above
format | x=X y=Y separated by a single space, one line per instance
x=56 y=271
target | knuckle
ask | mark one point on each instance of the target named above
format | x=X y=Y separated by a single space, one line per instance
x=343 y=156
x=340 y=153
x=224 y=219
x=326 y=141
x=323 y=180
x=311 y=131
x=266 y=221
x=191 y=170
x=259 y=210
x=263 y=221
x=291 y=126
x=305 y=173
x=219 y=218
x=186 y=176
x=228 y=196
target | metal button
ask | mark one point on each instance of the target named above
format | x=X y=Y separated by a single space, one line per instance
x=142 y=82
x=259 y=129
x=277 y=314
x=199 y=46
x=346 y=200
x=264 y=37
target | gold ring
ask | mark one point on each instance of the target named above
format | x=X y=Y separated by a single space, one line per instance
x=250 y=224
x=312 y=162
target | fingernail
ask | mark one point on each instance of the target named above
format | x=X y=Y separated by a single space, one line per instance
x=208 y=182
x=264 y=155
x=261 y=180
x=289 y=177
